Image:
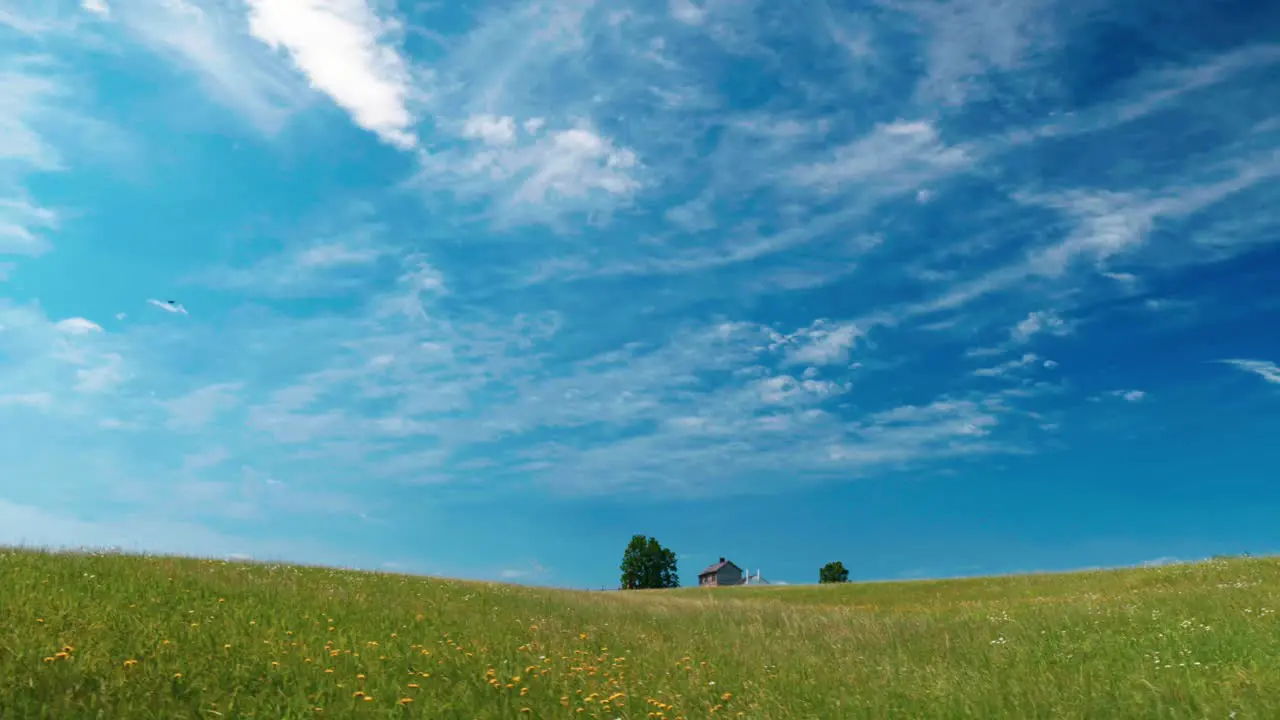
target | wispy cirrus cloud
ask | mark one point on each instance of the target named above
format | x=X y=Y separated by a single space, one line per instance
x=335 y=257
x=33 y=99
x=209 y=38
x=893 y=157
x=1264 y=369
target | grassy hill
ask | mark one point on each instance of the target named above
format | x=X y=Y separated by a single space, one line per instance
x=102 y=636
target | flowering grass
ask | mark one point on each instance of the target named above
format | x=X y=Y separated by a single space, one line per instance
x=106 y=636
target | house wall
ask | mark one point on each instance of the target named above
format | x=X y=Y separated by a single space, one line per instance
x=728 y=575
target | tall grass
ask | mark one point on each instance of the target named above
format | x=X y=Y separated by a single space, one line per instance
x=103 y=636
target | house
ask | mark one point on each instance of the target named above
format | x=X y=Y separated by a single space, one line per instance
x=722 y=573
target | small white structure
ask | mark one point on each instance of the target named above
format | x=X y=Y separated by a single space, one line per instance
x=756 y=579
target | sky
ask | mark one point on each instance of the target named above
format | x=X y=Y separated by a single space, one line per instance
x=482 y=289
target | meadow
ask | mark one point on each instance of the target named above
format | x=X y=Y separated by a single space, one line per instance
x=112 y=636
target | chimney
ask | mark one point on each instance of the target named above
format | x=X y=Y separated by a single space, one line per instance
x=721 y=559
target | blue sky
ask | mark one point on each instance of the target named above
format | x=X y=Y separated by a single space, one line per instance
x=482 y=289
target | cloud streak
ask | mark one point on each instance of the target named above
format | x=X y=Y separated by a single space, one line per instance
x=1264 y=369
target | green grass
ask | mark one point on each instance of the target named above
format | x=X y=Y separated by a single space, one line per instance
x=174 y=638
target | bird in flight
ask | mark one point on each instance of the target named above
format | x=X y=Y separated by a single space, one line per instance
x=169 y=306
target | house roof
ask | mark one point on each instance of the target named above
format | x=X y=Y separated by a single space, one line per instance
x=718 y=567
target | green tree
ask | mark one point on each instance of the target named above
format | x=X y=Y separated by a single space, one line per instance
x=647 y=565
x=833 y=572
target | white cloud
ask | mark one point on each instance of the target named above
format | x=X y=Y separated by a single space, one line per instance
x=204 y=459
x=344 y=49
x=821 y=344
x=198 y=408
x=694 y=216
x=493 y=130
x=1006 y=368
x=102 y=378
x=533 y=571
x=1039 y=322
x=1132 y=396
x=1264 y=369
x=686 y=12
x=335 y=255
x=1105 y=225
x=37 y=400
x=97 y=7
x=29 y=96
x=78 y=326
x=320 y=270
x=21 y=223
x=574 y=163
x=970 y=38
x=574 y=169
x=786 y=390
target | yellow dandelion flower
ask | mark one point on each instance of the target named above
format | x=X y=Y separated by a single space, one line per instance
x=328 y=670
x=406 y=700
x=62 y=655
x=358 y=694
x=68 y=649
x=360 y=676
x=50 y=659
x=368 y=698
x=130 y=663
x=177 y=676
x=415 y=686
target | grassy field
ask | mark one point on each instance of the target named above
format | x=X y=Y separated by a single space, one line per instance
x=100 y=636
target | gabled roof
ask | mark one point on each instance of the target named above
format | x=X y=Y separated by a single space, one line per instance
x=718 y=567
